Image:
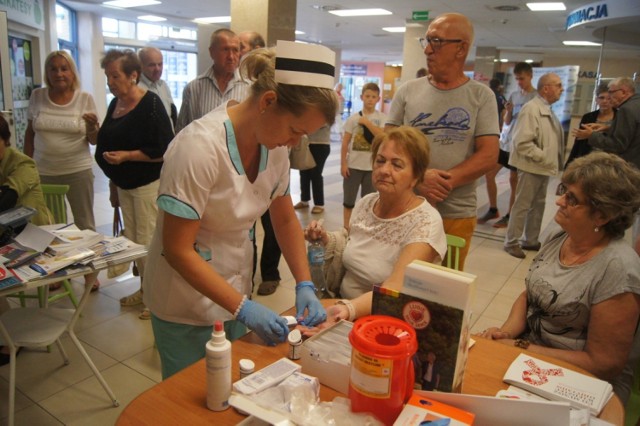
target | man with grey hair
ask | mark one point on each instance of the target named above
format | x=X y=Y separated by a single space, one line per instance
x=250 y=40
x=537 y=153
x=218 y=84
x=151 y=79
x=623 y=137
x=460 y=118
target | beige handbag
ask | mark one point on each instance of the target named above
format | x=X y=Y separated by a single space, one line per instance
x=300 y=157
x=117 y=270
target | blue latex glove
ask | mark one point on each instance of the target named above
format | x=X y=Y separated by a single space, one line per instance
x=306 y=298
x=271 y=328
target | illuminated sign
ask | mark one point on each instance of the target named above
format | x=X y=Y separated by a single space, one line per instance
x=593 y=12
x=604 y=12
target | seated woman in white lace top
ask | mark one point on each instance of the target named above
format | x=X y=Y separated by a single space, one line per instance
x=388 y=229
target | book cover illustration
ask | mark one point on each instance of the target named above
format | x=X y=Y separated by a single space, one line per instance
x=558 y=383
x=435 y=301
x=434 y=362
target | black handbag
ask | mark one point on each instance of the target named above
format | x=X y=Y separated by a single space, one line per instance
x=368 y=136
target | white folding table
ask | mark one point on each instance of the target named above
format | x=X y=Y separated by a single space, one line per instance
x=39 y=327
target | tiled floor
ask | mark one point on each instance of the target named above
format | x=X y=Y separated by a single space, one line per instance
x=121 y=345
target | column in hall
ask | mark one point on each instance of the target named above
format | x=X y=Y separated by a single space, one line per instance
x=273 y=19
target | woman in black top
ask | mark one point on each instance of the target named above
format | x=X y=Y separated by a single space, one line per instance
x=603 y=115
x=131 y=142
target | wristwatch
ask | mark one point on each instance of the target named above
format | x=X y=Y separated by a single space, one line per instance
x=521 y=343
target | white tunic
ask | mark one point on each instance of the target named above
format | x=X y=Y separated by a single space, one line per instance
x=203 y=178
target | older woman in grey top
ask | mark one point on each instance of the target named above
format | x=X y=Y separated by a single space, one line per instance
x=582 y=297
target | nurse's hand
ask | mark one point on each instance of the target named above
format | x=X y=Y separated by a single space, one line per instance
x=306 y=299
x=271 y=328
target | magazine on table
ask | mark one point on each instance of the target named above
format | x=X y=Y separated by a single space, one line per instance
x=16 y=254
x=69 y=239
x=115 y=250
x=8 y=278
x=558 y=383
x=49 y=263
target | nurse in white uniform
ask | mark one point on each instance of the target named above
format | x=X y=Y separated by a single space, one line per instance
x=220 y=174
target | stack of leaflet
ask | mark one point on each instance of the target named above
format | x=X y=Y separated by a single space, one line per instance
x=115 y=250
x=70 y=239
x=558 y=383
x=55 y=251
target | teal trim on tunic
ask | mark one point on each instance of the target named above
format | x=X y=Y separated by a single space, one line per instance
x=234 y=152
x=177 y=207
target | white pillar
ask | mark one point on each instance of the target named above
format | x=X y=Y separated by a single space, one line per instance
x=413 y=57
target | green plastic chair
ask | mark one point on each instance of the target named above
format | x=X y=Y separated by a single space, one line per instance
x=632 y=410
x=454 y=244
x=54 y=198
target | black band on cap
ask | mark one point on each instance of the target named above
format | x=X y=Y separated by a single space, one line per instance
x=301 y=65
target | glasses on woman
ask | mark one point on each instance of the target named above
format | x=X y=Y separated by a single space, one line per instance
x=437 y=43
x=569 y=196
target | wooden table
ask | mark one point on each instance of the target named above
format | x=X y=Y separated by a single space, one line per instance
x=181 y=399
x=489 y=360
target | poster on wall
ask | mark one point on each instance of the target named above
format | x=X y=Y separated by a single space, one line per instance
x=21 y=84
x=569 y=76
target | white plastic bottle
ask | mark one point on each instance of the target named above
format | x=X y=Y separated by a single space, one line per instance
x=218 y=369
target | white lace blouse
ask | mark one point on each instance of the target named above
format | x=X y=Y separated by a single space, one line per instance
x=374 y=244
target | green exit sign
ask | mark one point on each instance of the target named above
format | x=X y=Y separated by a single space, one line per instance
x=420 y=15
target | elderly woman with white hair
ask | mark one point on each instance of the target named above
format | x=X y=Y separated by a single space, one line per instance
x=62 y=122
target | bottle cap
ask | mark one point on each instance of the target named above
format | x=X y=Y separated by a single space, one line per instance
x=246 y=365
x=294 y=337
x=218 y=326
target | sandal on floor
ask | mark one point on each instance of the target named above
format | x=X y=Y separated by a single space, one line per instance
x=267 y=287
x=301 y=205
x=96 y=286
x=317 y=209
x=132 y=300
x=145 y=314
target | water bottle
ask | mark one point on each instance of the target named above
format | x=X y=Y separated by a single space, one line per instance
x=316 y=264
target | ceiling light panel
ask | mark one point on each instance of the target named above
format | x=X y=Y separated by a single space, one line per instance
x=152 y=18
x=360 y=12
x=580 y=43
x=545 y=7
x=395 y=29
x=213 y=20
x=130 y=3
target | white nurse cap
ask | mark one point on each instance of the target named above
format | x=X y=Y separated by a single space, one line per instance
x=305 y=64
